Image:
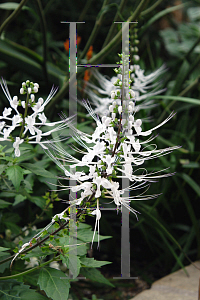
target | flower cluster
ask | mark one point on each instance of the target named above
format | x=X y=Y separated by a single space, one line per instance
x=142 y=85
x=113 y=152
x=28 y=124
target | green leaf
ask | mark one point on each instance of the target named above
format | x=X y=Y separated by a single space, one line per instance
x=92 y=263
x=86 y=235
x=191 y=182
x=19 y=199
x=73 y=263
x=4 y=265
x=50 y=280
x=4 y=204
x=81 y=247
x=2 y=168
x=37 y=170
x=160 y=15
x=95 y=275
x=15 y=174
x=29 y=61
x=177 y=98
x=39 y=201
x=12 y=289
x=4 y=249
x=11 y=6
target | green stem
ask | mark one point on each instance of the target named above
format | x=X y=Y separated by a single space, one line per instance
x=97 y=58
x=160 y=15
x=122 y=98
x=44 y=39
x=148 y=10
x=12 y=16
x=36 y=244
x=95 y=30
x=84 y=11
x=111 y=30
x=25 y=114
x=28 y=271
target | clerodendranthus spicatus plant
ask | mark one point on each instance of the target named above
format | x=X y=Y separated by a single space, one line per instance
x=117 y=149
x=26 y=127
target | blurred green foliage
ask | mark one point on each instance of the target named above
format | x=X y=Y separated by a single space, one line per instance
x=32 y=47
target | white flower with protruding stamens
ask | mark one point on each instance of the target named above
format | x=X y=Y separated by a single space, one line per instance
x=112 y=152
x=29 y=123
x=141 y=89
x=16 y=144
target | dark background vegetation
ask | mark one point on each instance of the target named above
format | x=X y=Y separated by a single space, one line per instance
x=168 y=227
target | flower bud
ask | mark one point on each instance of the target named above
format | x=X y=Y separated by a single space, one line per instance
x=15 y=98
x=111 y=108
x=21 y=91
x=23 y=104
x=120 y=109
x=29 y=90
x=32 y=97
x=136 y=57
x=132 y=93
x=40 y=100
x=130 y=108
x=35 y=89
x=112 y=95
x=113 y=116
x=138 y=122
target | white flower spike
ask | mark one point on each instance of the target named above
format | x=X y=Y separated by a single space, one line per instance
x=117 y=149
x=30 y=133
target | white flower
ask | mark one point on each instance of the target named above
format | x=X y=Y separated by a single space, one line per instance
x=116 y=151
x=16 y=119
x=60 y=216
x=42 y=118
x=2 y=124
x=28 y=122
x=54 y=265
x=96 y=212
x=7 y=132
x=7 y=112
x=140 y=89
x=16 y=144
x=32 y=263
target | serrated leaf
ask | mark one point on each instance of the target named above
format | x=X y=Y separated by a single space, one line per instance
x=50 y=280
x=81 y=247
x=4 y=204
x=38 y=253
x=37 y=170
x=73 y=263
x=12 y=289
x=86 y=235
x=92 y=263
x=15 y=174
x=95 y=275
